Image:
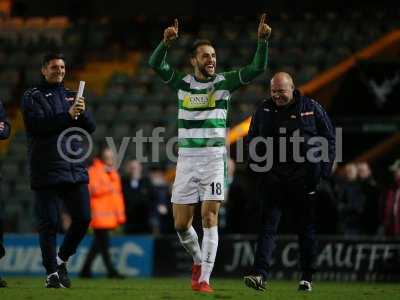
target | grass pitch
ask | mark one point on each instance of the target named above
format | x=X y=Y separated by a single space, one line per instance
x=179 y=289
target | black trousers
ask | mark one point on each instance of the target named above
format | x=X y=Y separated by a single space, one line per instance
x=75 y=198
x=100 y=244
x=295 y=197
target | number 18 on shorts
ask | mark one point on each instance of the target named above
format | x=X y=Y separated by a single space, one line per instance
x=199 y=178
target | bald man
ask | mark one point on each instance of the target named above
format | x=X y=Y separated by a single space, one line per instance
x=291 y=146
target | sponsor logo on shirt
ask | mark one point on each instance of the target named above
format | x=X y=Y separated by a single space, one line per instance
x=199 y=101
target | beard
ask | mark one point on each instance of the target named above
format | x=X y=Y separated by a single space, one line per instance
x=203 y=70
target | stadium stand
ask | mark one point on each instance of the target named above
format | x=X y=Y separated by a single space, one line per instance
x=126 y=96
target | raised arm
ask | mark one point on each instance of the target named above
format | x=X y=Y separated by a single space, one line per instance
x=158 y=58
x=260 y=59
x=259 y=63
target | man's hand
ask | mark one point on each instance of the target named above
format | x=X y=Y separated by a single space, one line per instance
x=171 y=33
x=77 y=108
x=1 y=126
x=264 y=31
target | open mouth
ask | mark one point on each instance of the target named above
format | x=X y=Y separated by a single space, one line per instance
x=210 y=68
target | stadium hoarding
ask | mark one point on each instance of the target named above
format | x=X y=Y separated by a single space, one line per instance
x=357 y=259
x=339 y=259
x=131 y=255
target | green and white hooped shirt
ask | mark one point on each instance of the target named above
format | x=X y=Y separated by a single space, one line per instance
x=203 y=104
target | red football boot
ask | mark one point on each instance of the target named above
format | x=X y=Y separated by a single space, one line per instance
x=204 y=287
x=196 y=272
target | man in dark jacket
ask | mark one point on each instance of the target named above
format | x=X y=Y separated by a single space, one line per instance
x=5 y=129
x=139 y=197
x=371 y=190
x=56 y=123
x=291 y=147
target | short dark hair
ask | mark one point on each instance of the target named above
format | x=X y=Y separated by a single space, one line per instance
x=197 y=44
x=50 y=56
x=103 y=146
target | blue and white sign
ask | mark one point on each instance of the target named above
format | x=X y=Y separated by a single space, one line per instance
x=131 y=255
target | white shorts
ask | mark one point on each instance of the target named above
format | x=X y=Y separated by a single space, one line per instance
x=199 y=178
